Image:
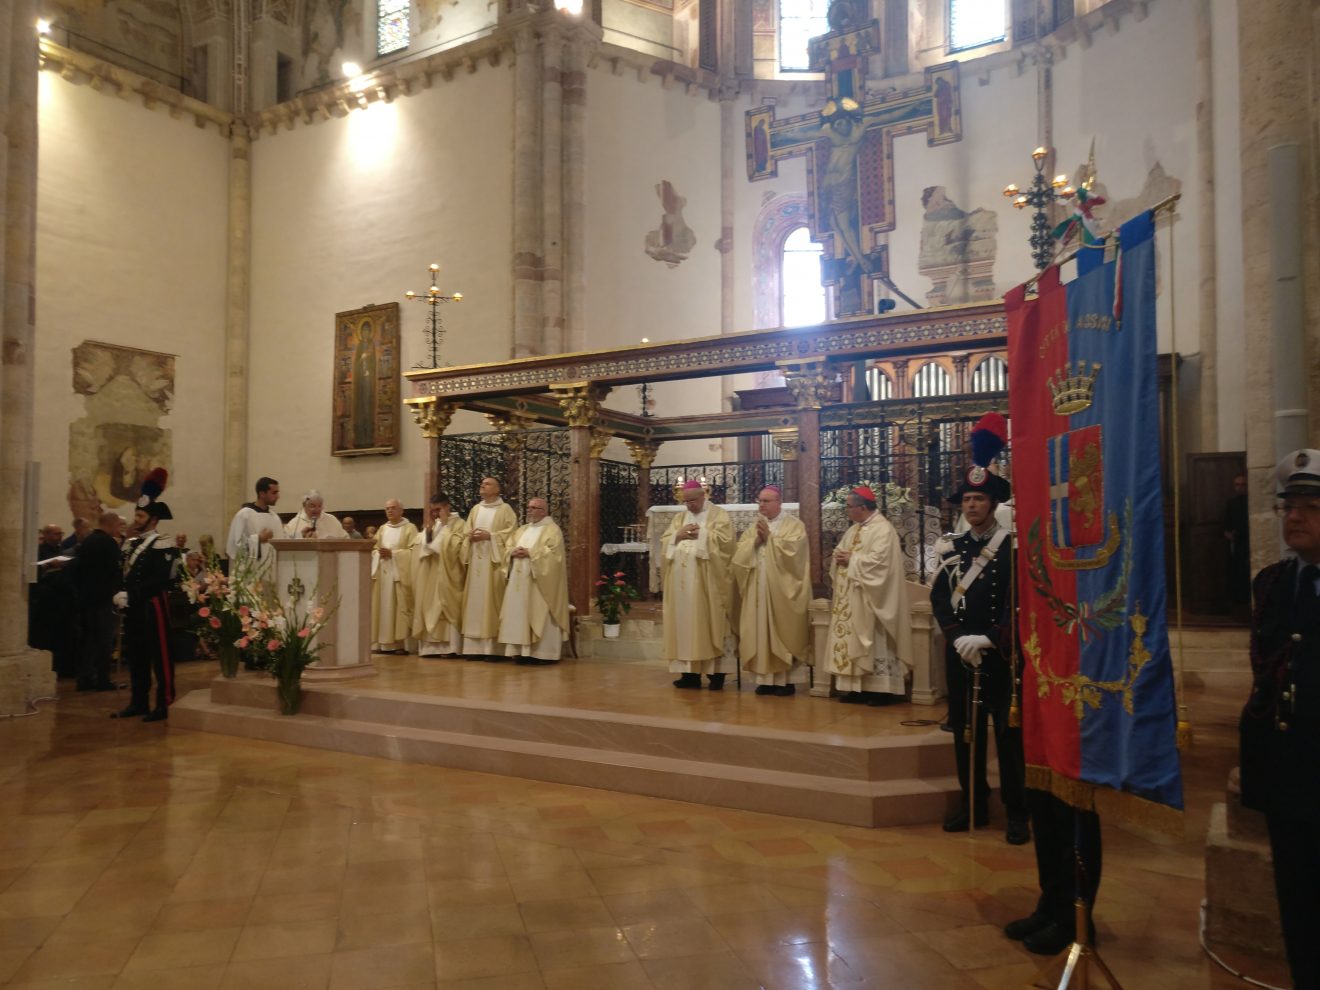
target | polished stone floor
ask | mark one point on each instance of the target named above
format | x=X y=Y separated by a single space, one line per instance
x=135 y=855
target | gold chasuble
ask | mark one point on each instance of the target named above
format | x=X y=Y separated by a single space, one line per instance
x=392 y=585
x=534 y=616
x=438 y=595
x=774 y=594
x=870 y=638
x=483 y=590
x=695 y=576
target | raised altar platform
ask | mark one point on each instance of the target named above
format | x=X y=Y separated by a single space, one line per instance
x=620 y=727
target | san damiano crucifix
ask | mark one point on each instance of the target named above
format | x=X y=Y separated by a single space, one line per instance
x=849 y=147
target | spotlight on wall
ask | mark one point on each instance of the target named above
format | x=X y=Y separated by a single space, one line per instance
x=43 y=26
x=572 y=7
x=350 y=70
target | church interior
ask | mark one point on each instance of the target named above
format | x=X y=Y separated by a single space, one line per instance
x=733 y=242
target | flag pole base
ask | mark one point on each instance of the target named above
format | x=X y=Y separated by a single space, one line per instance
x=1074 y=969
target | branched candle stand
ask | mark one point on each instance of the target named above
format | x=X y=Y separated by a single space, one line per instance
x=1040 y=197
x=435 y=327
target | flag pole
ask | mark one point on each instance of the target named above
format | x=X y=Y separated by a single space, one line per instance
x=1073 y=968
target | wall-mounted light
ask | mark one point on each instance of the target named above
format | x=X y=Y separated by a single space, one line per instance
x=43 y=26
x=571 y=7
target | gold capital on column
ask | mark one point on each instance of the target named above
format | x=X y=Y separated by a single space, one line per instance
x=580 y=401
x=786 y=440
x=809 y=380
x=430 y=414
x=600 y=439
x=643 y=452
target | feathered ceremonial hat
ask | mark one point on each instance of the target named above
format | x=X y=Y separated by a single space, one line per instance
x=152 y=487
x=989 y=437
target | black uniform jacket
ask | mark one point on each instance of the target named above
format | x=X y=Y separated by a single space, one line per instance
x=985 y=609
x=151 y=572
x=1280 y=725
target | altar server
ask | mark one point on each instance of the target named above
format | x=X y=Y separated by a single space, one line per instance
x=534 y=615
x=254 y=525
x=392 y=563
x=313 y=522
x=486 y=548
x=438 y=602
x=695 y=555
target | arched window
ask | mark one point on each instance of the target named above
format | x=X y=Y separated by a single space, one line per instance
x=973 y=23
x=991 y=375
x=391 y=25
x=802 y=296
x=931 y=379
x=799 y=22
x=879 y=385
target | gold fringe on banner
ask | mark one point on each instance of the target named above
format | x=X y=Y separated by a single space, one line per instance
x=1106 y=801
x=1185 y=737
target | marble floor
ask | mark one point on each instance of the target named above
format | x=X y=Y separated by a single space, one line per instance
x=138 y=855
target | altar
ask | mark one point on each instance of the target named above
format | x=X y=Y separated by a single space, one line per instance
x=340 y=569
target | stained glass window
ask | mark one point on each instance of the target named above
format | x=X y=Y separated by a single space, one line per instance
x=803 y=295
x=799 y=22
x=391 y=25
x=976 y=22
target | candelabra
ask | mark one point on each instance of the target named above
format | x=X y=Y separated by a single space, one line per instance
x=644 y=390
x=435 y=327
x=1040 y=196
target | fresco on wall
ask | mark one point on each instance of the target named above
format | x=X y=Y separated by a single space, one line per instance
x=323 y=36
x=144 y=35
x=957 y=250
x=366 y=385
x=118 y=439
x=673 y=240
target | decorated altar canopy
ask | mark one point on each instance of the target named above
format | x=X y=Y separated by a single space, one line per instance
x=922 y=438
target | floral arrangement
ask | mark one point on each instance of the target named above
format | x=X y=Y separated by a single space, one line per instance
x=889 y=496
x=224 y=606
x=614 y=597
x=284 y=637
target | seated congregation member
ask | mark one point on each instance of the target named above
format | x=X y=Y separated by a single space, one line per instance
x=694 y=567
x=490 y=527
x=438 y=586
x=534 y=613
x=392 y=563
x=255 y=524
x=869 y=649
x=770 y=570
x=312 y=522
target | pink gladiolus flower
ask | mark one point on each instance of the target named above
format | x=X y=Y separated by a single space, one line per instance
x=318 y=614
x=215 y=623
x=242 y=644
x=618 y=574
x=244 y=610
x=303 y=633
x=599 y=583
x=204 y=612
x=273 y=645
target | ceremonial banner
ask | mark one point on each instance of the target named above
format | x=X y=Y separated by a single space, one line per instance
x=1099 y=713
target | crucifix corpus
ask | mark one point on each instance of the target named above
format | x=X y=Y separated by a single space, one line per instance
x=849 y=147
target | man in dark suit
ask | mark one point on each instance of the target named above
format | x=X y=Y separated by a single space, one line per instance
x=96 y=574
x=1280 y=725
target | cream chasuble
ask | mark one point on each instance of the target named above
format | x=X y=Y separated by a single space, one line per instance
x=438 y=589
x=483 y=590
x=870 y=638
x=534 y=616
x=392 y=586
x=326 y=527
x=695 y=575
x=774 y=594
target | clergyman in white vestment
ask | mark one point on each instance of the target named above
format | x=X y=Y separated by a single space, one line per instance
x=534 y=615
x=490 y=529
x=392 y=582
x=869 y=649
x=313 y=522
x=438 y=597
x=253 y=527
x=695 y=573
x=773 y=584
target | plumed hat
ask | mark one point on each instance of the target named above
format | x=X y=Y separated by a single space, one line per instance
x=989 y=437
x=152 y=487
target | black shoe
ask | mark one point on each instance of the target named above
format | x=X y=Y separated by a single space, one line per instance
x=716 y=681
x=761 y=689
x=525 y=662
x=132 y=711
x=853 y=698
x=106 y=686
x=1018 y=832
x=1024 y=927
x=957 y=822
x=878 y=699
x=786 y=690
x=691 y=681
x=1049 y=941
x=159 y=715
x=85 y=685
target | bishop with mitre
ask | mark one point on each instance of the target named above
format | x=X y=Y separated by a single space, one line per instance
x=438 y=582
x=695 y=553
x=534 y=615
x=392 y=564
x=770 y=571
x=490 y=528
x=869 y=649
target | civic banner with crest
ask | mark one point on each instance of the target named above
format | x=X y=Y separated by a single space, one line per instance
x=1098 y=703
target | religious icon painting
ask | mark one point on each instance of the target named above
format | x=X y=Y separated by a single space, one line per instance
x=760 y=165
x=365 y=399
x=946 y=104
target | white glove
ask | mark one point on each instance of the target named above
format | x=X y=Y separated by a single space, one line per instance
x=971 y=647
x=120 y=599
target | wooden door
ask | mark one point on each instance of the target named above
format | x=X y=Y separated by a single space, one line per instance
x=1207 y=489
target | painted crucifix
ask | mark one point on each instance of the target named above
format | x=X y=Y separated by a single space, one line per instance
x=849 y=147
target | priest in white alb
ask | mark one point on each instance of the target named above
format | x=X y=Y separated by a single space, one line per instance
x=490 y=530
x=438 y=585
x=392 y=564
x=773 y=584
x=694 y=565
x=254 y=525
x=534 y=616
x=313 y=522
x=869 y=649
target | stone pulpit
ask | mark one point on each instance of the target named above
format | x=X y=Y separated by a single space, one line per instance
x=305 y=569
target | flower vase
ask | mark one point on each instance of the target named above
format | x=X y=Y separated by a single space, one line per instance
x=229 y=657
x=290 y=692
x=611 y=629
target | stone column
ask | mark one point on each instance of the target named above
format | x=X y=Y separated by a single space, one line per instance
x=25 y=674
x=432 y=418
x=809 y=381
x=786 y=442
x=1276 y=48
x=583 y=38
x=527 y=259
x=643 y=455
x=551 y=335
x=237 y=316
x=1207 y=301
x=901 y=378
x=581 y=404
x=731 y=158
x=511 y=428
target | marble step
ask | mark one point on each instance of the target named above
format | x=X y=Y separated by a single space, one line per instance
x=861 y=802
